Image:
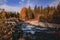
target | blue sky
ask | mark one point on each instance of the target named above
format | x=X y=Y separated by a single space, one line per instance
x=16 y=5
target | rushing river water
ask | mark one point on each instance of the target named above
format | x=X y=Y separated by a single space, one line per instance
x=31 y=32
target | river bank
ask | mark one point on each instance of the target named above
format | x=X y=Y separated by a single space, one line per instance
x=43 y=24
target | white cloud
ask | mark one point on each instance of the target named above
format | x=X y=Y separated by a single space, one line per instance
x=3 y=5
x=31 y=4
x=3 y=2
x=10 y=8
x=55 y=3
x=28 y=2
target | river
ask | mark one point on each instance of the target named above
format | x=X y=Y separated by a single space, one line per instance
x=28 y=31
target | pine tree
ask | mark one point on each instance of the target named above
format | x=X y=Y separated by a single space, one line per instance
x=56 y=15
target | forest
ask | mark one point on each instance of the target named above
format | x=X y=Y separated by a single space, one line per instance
x=49 y=14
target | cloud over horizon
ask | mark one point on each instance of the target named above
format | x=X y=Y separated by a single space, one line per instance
x=3 y=2
x=10 y=8
x=16 y=5
x=55 y=3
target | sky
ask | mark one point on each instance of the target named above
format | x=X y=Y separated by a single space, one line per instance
x=17 y=5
